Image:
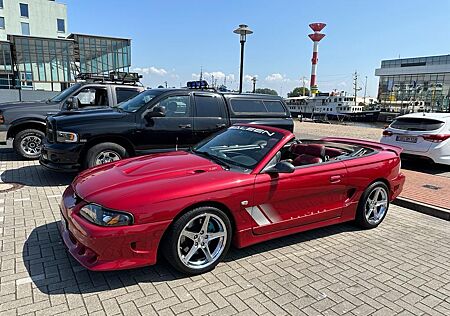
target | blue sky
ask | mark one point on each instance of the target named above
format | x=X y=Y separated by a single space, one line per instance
x=171 y=40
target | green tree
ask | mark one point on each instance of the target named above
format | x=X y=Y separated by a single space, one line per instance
x=266 y=91
x=299 y=91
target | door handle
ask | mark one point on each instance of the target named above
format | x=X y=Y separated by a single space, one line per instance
x=221 y=125
x=335 y=179
x=185 y=126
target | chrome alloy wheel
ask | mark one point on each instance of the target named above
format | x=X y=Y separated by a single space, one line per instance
x=202 y=241
x=106 y=156
x=31 y=145
x=376 y=205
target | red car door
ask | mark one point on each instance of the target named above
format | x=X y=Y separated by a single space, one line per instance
x=310 y=194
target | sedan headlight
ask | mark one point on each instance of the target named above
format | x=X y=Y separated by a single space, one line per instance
x=98 y=215
x=66 y=137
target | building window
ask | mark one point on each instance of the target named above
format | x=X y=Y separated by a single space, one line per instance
x=24 y=10
x=2 y=22
x=61 y=25
x=25 y=28
x=1 y=4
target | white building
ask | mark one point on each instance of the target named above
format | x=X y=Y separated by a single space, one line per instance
x=40 y=18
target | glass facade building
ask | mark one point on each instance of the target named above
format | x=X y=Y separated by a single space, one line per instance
x=52 y=64
x=422 y=81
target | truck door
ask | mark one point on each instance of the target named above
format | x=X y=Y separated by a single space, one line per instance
x=210 y=114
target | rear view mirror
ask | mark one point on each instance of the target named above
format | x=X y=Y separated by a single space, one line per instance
x=281 y=167
x=72 y=103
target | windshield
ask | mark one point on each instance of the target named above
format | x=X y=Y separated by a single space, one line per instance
x=241 y=146
x=134 y=104
x=416 y=124
x=65 y=93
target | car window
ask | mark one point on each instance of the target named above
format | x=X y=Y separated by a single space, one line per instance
x=64 y=94
x=123 y=94
x=176 y=106
x=274 y=106
x=142 y=99
x=241 y=146
x=92 y=97
x=208 y=106
x=248 y=106
x=416 y=124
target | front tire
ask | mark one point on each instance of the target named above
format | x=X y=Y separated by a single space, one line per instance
x=27 y=143
x=373 y=205
x=103 y=153
x=198 y=240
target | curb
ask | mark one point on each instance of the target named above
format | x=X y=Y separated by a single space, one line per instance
x=423 y=208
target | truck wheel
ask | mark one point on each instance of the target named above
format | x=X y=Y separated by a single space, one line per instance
x=373 y=205
x=104 y=153
x=27 y=143
x=198 y=240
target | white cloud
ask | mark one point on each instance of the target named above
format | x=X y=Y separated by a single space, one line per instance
x=275 y=77
x=152 y=70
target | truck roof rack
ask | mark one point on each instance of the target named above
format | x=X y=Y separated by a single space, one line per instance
x=120 y=77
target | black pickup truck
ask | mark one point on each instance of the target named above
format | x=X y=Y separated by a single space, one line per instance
x=153 y=121
x=24 y=122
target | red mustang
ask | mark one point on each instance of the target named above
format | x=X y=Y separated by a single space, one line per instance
x=245 y=185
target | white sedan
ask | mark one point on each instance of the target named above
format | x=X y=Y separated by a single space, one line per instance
x=424 y=135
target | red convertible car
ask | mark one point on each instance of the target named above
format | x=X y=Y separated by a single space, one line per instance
x=245 y=185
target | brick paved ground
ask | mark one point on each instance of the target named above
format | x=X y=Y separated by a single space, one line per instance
x=402 y=267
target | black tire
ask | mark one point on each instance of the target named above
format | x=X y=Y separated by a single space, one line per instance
x=361 y=218
x=94 y=152
x=32 y=148
x=169 y=245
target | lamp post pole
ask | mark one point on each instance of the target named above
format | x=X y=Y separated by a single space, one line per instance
x=243 y=30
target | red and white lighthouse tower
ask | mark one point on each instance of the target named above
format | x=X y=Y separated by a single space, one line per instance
x=315 y=37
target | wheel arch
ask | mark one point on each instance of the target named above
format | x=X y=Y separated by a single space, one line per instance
x=122 y=141
x=219 y=205
x=20 y=126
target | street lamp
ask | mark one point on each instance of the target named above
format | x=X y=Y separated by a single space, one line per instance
x=242 y=30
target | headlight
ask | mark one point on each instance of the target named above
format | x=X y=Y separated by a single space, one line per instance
x=66 y=137
x=104 y=217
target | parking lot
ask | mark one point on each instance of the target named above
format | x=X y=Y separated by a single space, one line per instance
x=400 y=267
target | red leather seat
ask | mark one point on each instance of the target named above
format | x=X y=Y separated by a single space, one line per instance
x=333 y=152
x=314 y=153
x=298 y=149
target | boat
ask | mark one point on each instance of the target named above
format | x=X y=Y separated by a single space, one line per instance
x=334 y=106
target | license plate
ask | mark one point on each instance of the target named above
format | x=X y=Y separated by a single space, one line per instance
x=407 y=139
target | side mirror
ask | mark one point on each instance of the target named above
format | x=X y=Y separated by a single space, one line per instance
x=72 y=103
x=158 y=111
x=281 y=167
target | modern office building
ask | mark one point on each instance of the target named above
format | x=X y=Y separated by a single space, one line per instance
x=37 y=54
x=421 y=83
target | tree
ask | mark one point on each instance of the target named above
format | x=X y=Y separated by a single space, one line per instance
x=266 y=91
x=299 y=91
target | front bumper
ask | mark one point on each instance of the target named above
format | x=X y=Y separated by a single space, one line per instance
x=61 y=157
x=108 y=248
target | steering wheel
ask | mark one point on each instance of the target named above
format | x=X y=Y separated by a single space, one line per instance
x=260 y=143
x=220 y=154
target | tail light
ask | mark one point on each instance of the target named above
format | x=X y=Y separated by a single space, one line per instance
x=436 y=138
x=387 y=133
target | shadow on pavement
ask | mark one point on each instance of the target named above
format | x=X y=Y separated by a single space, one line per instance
x=425 y=166
x=54 y=271
x=36 y=176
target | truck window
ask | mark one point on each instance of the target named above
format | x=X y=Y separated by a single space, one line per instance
x=123 y=94
x=176 y=106
x=92 y=96
x=208 y=106
x=274 y=106
x=248 y=106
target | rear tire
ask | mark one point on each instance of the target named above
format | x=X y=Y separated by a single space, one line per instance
x=373 y=205
x=103 y=153
x=27 y=143
x=197 y=241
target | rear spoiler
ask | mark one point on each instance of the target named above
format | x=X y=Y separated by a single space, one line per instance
x=371 y=144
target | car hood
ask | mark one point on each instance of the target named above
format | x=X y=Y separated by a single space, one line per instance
x=77 y=117
x=20 y=105
x=137 y=183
